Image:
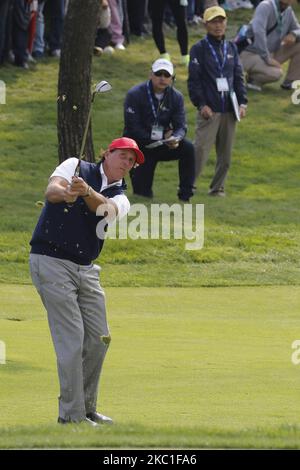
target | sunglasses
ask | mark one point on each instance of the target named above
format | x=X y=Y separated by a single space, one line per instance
x=162 y=73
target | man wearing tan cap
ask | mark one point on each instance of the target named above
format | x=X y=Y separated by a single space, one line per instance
x=216 y=87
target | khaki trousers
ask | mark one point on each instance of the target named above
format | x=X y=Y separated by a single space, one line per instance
x=218 y=130
x=262 y=73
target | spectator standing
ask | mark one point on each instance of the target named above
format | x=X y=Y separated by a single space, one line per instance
x=215 y=72
x=115 y=28
x=178 y=7
x=4 y=12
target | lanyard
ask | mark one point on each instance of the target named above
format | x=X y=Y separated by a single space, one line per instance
x=278 y=14
x=155 y=113
x=214 y=54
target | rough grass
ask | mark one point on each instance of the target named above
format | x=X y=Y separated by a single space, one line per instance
x=254 y=230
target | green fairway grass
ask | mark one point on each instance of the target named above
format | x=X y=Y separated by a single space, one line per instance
x=186 y=367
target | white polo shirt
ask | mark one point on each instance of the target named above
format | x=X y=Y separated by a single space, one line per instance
x=67 y=169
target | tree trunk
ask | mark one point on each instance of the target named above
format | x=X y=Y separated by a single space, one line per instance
x=74 y=83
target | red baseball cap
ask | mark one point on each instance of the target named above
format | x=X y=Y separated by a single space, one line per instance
x=130 y=144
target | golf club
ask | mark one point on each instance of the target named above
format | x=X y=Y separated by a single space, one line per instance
x=101 y=87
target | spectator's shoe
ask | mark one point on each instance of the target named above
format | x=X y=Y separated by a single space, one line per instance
x=196 y=20
x=31 y=60
x=98 y=51
x=183 y=198
x=120 y=47
x=84 y=421
x=23 y=65
x=166 y=56
x=217 y=193
x=55 y=53
x=38 y=54
x=251 y=85
x=99 y=418
x=245 y=4
x=11 y=57
x=287 y=85
x=185 y=59
x=109 y=50
x=228 y=6
x=149 y=195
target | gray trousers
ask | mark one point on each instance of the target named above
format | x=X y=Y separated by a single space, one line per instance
x=218 y=130
x=75 y=305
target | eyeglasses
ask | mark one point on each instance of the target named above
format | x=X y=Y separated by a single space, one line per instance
x=162 y=73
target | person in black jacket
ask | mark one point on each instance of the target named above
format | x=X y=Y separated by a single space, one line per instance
x=215 y=80
x=153 y=112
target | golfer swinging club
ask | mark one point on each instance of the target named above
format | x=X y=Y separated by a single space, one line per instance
x=63 y=247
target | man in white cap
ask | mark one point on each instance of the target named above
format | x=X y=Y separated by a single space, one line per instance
x=216 y=87
x=154 y=116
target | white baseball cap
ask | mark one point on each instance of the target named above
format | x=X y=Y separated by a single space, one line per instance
x=163 y=64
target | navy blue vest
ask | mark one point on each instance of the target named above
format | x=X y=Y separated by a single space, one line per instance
x=70 y=232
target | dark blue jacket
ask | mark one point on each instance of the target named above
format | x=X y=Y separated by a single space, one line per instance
x=203 y=71
x=70 y=232
x=139 y=117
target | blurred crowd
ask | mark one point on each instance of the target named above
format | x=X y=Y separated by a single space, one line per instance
x=32 y=29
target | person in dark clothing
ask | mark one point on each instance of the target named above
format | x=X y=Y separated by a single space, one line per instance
x=154 y=111
x=215 y=85
x=157 y=9
x=4 y=12
x=20 y=31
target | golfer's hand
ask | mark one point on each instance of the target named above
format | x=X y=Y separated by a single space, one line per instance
x=206 y=112
x=289 y=40
x=79 y=185
x=70 y=195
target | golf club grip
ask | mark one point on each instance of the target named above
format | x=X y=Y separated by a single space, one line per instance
x=76 y=173
x=77 y=169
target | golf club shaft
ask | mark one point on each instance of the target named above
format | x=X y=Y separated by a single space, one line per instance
x=77 y=169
